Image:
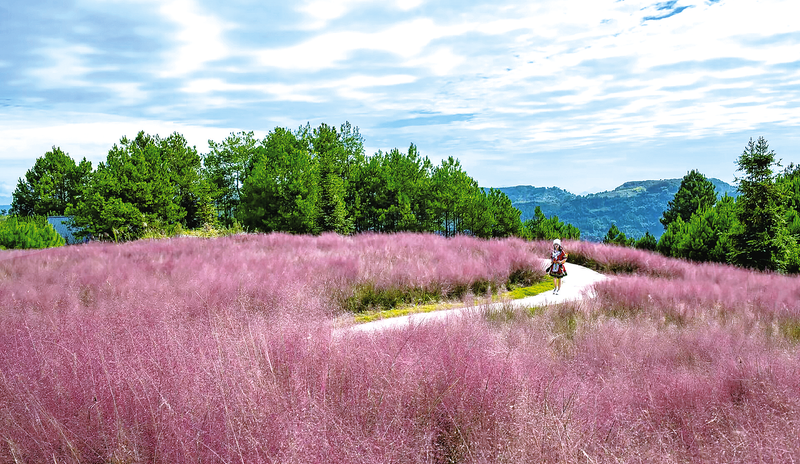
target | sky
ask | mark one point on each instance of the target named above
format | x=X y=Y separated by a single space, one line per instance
x=579 y=94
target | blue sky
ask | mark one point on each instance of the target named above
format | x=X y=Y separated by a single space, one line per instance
x=583 y=95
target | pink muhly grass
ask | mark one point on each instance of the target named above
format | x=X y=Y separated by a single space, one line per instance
x=705 y=290
x=705 y=395
x=223 y=351
x=220 y=350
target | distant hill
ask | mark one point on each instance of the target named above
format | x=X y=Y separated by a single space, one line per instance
x=635 y=207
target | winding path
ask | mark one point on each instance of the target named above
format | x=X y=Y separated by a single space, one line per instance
x=576 y=286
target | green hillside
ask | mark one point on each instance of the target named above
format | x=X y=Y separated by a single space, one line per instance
x=635 y=207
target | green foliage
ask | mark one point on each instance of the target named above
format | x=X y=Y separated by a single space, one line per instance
x=392 y=193
x=308 y=181
x=226 y=168
x=338 y=155
x=145 y=182
x=28 y=232
x=368 y=298
x=790 y=329
x=450 y=186
x=531 y=290
x=615 y=237
x=647 y=242
x=724 y=222
x=669 y=239
x=763 y=240
x=54 y=182
x=283 y=189
x=544 y=228
x=697 y=238
x=758 y=229
x=789 y=182
x=705 y=237
x=696 y=193
x=507 y=218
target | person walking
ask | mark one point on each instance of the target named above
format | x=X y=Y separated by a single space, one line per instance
x=557 y=270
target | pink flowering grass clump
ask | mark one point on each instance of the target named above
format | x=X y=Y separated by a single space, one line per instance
x=706 y=291
x=698 y=395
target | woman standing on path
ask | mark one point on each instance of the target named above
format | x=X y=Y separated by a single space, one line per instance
x=557 y=269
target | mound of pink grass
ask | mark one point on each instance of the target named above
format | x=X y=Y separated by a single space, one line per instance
x=680 y=291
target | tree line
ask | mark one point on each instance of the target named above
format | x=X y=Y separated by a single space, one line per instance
x=305 y=181
x=759 y=229
x=314 y=180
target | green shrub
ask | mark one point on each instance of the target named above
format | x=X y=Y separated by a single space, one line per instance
x=524 y=277
x=790 y=329
x=24 y=233
x=367 y=298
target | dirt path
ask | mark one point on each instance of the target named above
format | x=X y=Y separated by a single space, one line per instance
x=576 y=286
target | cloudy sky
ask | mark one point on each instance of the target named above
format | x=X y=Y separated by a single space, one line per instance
x=581 y=94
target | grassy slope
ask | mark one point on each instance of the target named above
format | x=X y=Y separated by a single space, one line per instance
x=223 y=350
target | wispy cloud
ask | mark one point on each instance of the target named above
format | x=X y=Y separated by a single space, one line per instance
x=494 y=83
x=199 y=38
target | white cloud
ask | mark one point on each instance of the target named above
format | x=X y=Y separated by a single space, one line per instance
x=199 y=38
x=406 y=40
x=533 y=76
x=65 y=65
x=88 y=135
x=349 y=87
x=321 y=12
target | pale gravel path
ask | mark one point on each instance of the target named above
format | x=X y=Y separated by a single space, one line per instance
x=576 y=286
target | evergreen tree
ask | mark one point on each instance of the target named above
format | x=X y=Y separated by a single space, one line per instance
x=543 y=228
x=335 y=216
x=670 y=238
x=789 y=182
x=506 y=218
x=338 y=154
x=616 y=237
x=725 y=223
x=226 y=168
x=697 y=238
x=281 y=191
x=54 y=182
x=695 y=193
x=477 y=213
x=763 y=241
x=18 y=232
x=144 y=182
x=647 y=242
x=392 y=192
x=450 y=187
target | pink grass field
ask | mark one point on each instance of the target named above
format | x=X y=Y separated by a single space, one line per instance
x=226 y=350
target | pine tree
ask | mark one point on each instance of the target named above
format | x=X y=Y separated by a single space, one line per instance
x=53 y=183
x=616 y=237
x=763 y=241
x=695 y=194
x=647 y=242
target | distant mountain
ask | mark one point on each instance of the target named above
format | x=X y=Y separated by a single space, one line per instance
x=635 y=207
